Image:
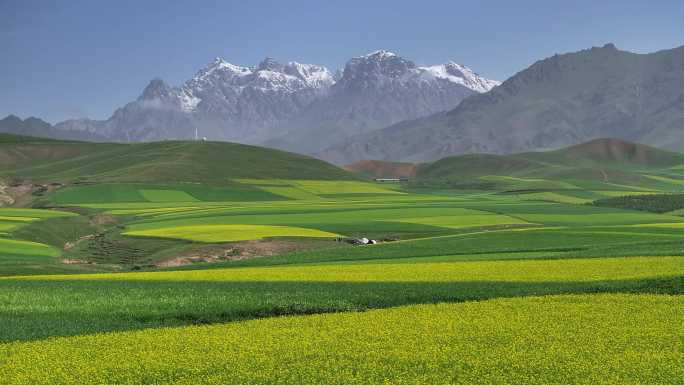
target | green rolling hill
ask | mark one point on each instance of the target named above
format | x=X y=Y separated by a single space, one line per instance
x=601 y=164
x=213 y=163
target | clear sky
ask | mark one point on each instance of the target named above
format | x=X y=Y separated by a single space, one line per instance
x=76 y=58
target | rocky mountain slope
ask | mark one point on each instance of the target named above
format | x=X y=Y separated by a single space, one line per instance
x=296 y=106
x=375 y=91
x=223 y=101
x=559 y=101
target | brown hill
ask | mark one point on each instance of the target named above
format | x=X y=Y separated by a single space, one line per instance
x=381 y=169
x=611 y=150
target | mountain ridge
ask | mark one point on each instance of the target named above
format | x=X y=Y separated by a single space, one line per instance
x=374 y=91
x=557 y=101
x=271 y=101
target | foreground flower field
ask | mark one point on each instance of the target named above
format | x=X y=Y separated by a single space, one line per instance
x=579 y=339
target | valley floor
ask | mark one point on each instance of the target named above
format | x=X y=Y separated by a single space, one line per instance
x=464 y=287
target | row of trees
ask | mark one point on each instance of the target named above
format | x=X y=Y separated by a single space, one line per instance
x=656 y=203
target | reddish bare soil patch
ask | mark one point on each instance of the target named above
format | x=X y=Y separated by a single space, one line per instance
x=237 y=251
x=382 y=169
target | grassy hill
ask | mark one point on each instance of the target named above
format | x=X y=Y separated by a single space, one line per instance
x=600 y=161
x=171 y=161
x=611 y=152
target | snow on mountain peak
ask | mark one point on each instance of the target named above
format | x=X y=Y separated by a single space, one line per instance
x=220 y=76
x=460 y=74
x=313 y=75
x=220 y=79
x=384 y=67
x=380 y=54
x=270 y=64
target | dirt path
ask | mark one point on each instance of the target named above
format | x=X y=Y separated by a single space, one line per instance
x=236 y=251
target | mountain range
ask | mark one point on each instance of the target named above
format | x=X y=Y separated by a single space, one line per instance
x=385 y=107
x=32 y=126
x=556 y=102
x=294 y=106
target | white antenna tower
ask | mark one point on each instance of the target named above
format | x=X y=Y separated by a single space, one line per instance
x=196 y=135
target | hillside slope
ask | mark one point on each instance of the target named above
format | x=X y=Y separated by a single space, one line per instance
x=559 y=101
x=606 y=160
x=173 y=161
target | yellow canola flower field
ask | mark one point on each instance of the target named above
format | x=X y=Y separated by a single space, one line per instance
x=556 y=270
x=463 y=221
x=575 y=339
x=229 y=233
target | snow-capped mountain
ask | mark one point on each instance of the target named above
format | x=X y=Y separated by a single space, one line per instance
x=460 y=74
x=224 y=101
x=293 y=105
x=268 y=76
x=375 y=91
x=380 y=67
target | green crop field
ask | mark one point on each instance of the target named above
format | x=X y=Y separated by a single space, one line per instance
x=230 y=265
x=226 y=233
x=25 y=248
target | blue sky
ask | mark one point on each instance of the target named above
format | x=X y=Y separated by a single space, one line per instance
x=76 y=58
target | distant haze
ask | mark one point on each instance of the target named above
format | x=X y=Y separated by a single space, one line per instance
x=69 y=59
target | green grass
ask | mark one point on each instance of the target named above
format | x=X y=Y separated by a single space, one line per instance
x=19 y=257
x=33 y=213
x=480 y=244
x=340 y=218
x=159 y=193
x=343 y=187
x=10 y=246
x=167 y=196
x=664 y=179
x=82 y=239
x=598 y=219
x=212 y=163
x=463 y=221
x=555 y=197
x=290 y=192
x=602 y=164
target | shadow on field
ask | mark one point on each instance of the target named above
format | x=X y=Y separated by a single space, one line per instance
x=31 y=310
